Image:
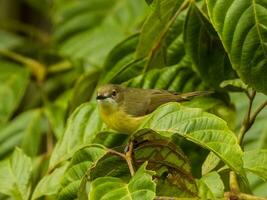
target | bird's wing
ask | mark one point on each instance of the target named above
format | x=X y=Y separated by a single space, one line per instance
x=136 y=102
x=141 y=102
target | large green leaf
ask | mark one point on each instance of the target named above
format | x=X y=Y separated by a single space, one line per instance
x=255 y=161
x=84 y=88
x=56 y=112
x=98 y=26
x=178 y=78
x=15 y=174
x=81 y=129
x=120 y=64
x=77 y=170
x=204 y=47
x=160 y=38
x=210 y=186
x=49 y=184
x=141 y=186
x=25 y=130
x=204 y=129
x=13 y=82
x=242 y=27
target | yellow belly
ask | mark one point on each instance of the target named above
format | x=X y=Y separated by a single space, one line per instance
x=120 y=121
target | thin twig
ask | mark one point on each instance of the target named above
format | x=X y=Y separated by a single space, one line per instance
x=111 y=151
x=246 y=123
x=258 y=110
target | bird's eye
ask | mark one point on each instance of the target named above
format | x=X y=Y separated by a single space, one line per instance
x=114 y=93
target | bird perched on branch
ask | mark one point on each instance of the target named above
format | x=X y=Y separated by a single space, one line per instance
x=124 y=109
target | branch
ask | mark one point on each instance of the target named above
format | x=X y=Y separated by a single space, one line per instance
x=37 y=68
x=242 y=196
x=127 y=156
x=258 y=110
x=246 y=123
x=250 y=119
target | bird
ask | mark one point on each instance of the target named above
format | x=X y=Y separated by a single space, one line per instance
x=123 y=109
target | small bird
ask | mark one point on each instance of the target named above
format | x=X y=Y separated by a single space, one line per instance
x=124 y=109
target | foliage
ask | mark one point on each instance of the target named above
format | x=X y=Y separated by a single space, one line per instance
x=53 y=143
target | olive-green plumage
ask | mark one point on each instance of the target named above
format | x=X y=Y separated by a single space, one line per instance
x=123 y=109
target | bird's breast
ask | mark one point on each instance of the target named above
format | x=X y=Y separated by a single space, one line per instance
x=120 y=121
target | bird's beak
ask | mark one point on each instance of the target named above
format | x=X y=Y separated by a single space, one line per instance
x=101 y=97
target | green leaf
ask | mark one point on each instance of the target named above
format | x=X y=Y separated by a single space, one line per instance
x=81 y=129
x=172 y=167
x=204 y=47
x=141 y=186
x=15 y=174
x=200 y=127
x=98 y=26
x=13 y=82
x=210 y=163
x=81 y=162
x=49 y=184
x=33 y=132
x=9 y=40
x=175 y=78
x=120 y=63
x=25 y=130
x=161 y=30
x=218 y=105
x=255 y=161
x=84 y=88
x=110 y=139
x=242 y=27
x=56 y=116
x=56 y=112
x=234 y=84
x=210 y=186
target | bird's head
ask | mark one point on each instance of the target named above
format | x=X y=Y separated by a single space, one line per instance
x=110 y=95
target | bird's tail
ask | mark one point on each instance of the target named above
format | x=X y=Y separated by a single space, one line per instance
x=189 y=95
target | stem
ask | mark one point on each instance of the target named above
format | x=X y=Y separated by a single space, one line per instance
x=111 y=151
x=38 y=69
x=59 y=67
x=242 y=196
x=246 y=123
x=258 y=110
x=128 y=158
x=234 y=186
